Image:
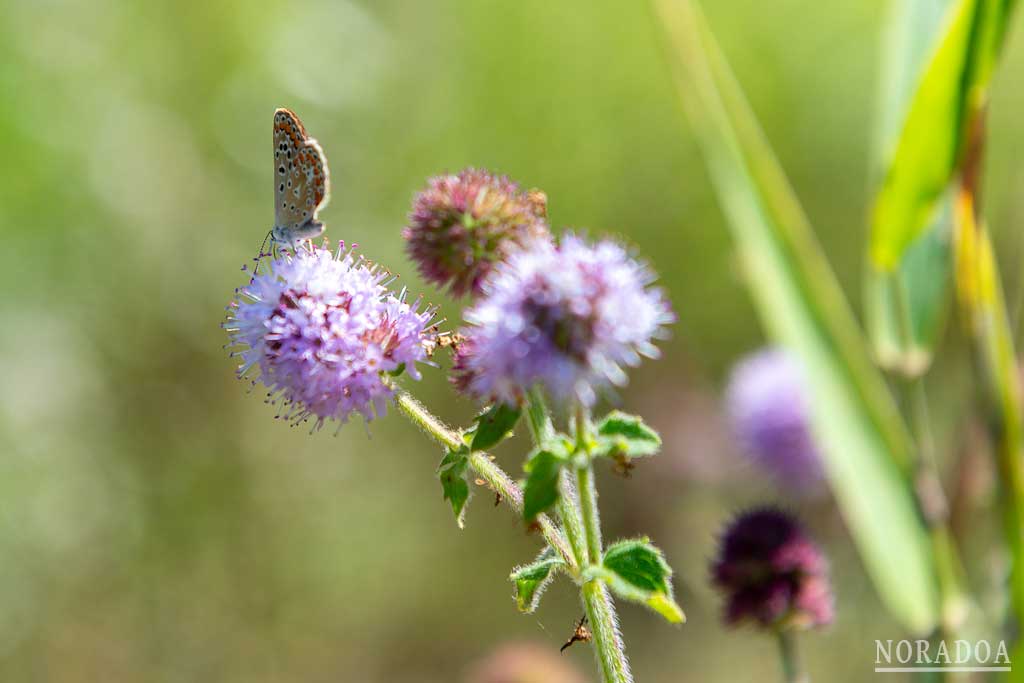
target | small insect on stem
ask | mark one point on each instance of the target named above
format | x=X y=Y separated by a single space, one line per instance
x=497 y=499
x=623 y=466
x=580 y=635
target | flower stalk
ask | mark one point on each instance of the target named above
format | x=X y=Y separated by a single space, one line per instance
x=578 y=508
x=580 y=543
x=792 y=669
x=495 y=477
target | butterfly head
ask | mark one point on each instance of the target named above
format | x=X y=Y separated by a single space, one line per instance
x=292 y=235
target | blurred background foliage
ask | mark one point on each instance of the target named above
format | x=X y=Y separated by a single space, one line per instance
x=157 y=524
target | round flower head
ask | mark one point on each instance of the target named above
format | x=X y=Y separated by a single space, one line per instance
x=462 y=224
x=566 y=316
x=767 y=405
x=771 y=573
x=319 y=328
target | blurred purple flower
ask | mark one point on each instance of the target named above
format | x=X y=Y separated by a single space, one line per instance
x=460 y=225
x=767 y=405
x=772 y=573
x=319 y=328
x=567 y=316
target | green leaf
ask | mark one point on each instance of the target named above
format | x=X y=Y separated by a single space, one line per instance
x=541 y=489
x=532 y=579
x=621 y=434
x=906 y=308
x=494 y=425
x=635 y=570
x=865 y=446
x=952 y=90
x=452 y=473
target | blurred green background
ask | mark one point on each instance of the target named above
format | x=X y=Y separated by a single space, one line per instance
x=156 y=524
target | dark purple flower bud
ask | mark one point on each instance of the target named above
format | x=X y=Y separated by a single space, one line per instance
x=767 y=404
x=771 y=573
x=462 y=224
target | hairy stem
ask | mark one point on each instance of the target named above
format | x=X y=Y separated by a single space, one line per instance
x=572 y=522
x=577 y=505
x=481 y=463
x=588 y=506
x=611 y=654
x=596 y=599
x=538 y=417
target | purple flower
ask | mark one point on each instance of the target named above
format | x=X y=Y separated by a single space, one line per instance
x=567 y=316
x=767 y=404
x=318 y=330
x=462 y=224
x=771 y=573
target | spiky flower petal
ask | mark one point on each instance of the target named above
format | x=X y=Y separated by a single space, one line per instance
x=461 y=225
x=319 y=328
x=569 y=317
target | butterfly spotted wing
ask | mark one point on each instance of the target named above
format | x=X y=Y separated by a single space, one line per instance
x=301 y=180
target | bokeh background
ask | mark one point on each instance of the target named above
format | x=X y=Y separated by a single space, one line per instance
x=156 y=524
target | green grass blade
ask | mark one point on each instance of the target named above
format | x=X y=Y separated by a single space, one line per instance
x=907 y=308
x=953 y=87
x=867 y=450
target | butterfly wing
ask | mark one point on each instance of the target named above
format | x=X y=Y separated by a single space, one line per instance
x=301 y=179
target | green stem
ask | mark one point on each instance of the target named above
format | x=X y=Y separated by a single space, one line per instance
x=569 y=511
x=481 y=463
x=577 y=504
x=538 y=417
x=596 y=599
x=588 y=505
x=791 y=667
x=931 y=497
x=608 y=646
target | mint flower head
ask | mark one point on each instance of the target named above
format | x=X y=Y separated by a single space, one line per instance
x=461 y=225
x=320 y=329
x=568 y=316
x=771 y=573
x=768 y=407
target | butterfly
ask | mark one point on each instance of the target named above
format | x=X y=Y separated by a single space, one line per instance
x=301 y=181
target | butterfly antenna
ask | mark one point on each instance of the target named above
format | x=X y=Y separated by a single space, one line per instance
x=256 y=270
